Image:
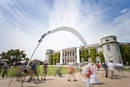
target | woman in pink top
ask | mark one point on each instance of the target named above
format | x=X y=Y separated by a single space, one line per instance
x=71 y=71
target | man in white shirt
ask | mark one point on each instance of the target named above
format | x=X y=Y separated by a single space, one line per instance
x=86 y=74
x=111 y=68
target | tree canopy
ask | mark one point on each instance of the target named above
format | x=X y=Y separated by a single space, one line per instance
x=13 y=55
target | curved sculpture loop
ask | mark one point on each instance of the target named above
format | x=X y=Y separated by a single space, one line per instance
x=71 y=30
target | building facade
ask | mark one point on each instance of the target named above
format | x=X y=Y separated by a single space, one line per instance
x=107 y=50
x=69 y=55
x=49 y=52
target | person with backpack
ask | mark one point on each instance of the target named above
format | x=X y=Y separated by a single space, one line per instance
x=105 y=66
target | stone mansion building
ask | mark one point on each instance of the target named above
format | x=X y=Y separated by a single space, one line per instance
x=108 y=46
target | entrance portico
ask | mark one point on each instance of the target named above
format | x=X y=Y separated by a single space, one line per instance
x=69 y=56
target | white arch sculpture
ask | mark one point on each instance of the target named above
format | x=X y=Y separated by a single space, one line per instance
x=71 y=30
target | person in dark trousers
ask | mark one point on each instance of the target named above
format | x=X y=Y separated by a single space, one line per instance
x=58 y=70
x=105 y=66
x=5 y=70
x=32 y=72
x=0 y=68
x=44 y=70
x=127 y=66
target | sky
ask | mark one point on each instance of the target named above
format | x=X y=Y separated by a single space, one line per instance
x=23 y=22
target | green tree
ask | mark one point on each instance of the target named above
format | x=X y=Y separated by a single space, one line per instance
x=85 y=54
x=125 y=52
x=13 y=55
x=93 y=54
x=57 y=57
x=51 y=59
x=4 y=55
x=101 y=57
x=54 y=59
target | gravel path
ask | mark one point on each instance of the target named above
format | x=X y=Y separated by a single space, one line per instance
x=120 y=80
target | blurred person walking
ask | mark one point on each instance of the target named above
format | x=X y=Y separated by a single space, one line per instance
x=32 y=71
x=1 y=68
x=98 y=66
x=93 y=78
x=86 y=73
x=44 y=70
x=71 y=71
x=105 y=66
x=20 y=74
x=58 y=70
x=111 y=69
x=127 y=66
x=5 y=70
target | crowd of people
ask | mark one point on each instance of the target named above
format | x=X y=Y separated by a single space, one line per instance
x=87 y=70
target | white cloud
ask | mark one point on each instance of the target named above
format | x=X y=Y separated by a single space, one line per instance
x=13 y=38
x=64 y=14
x=124 y=10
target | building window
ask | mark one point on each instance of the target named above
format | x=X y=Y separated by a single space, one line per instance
x=89 y=59
x=110 y=59
x=88 y=51
x=97 y=59
x=114 y=38
x=65 y=54
x=73 y=53
x=68 y=53
x=97 y=50
x=107 y=40
x=108 y=48
x=117 y=48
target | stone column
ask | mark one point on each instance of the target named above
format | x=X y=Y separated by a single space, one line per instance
x=78 y=57
x=61 y=58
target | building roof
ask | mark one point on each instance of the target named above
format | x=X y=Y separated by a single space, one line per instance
x=93 y=45
x=69 y=48
x=108 y=36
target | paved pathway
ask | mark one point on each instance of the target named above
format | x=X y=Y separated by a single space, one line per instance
x=120 y=81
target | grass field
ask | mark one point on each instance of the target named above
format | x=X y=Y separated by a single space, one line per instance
x=126 y=69
x=51 y=70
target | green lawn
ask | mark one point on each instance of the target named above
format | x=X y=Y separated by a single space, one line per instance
x=51 y=70
x=126 y=69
